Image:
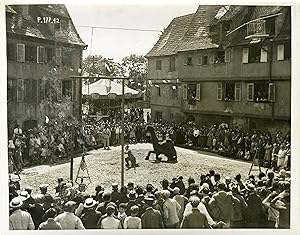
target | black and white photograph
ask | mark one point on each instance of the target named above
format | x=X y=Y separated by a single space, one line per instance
x=136 y=116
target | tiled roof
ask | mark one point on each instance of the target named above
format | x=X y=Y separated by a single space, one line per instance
x=197 y=36
x=27 y=24
x=171 y=38
x=265 y=11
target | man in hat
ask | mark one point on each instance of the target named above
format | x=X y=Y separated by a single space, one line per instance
x=151 y=218
x=180 y=185
x=115 y=194
x=194 y=219
x=68 y=219
x=106 y=199
x=19 y=219
x=132 y=201
x=91 y=216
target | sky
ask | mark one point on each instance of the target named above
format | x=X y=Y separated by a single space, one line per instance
x=117 y=44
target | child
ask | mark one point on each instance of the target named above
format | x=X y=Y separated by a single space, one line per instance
x=122 y=215
x=132 y=221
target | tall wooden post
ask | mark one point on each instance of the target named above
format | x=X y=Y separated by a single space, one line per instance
x=122 y=135
x=72 y=153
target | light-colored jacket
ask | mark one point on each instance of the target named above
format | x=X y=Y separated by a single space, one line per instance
x=171 y=210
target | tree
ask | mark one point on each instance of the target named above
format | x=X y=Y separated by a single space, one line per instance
x=135 y=67
x=98 y=65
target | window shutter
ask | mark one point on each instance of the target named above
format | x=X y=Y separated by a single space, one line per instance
x=245 y=55
x=20 y=90
x=184 y=92
x=227 y=55
x=200 y=60
x=250 y=92
x=58 y=55
x=212 y=58
x=198 y=91
x=59 y=91
x=219 y=91
x=237 y=91
x=280 y=52
x=271 y=93
x=264 y=54
x=20 y=52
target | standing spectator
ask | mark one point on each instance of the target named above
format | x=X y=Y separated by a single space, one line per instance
x=110 y=222
x=90 y=216
x=152 y=218
x=37 y=210
x=281 y=156
x=106 y=134
x=50 y=223
x=132 y=221
x=182 y=201
x=68 y=219
x=115 y=195
x=19 y=220
x=122 y=213
x=171 y=210
x=194 y=218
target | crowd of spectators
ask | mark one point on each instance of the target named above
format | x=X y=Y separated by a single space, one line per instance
x=53 y=141
x=211 y=201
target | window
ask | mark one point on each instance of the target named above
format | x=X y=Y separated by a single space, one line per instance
x=261 y=92
x=172 y=64
x=20 y=52
x=20 y=90
x=30 y=53
x=189 y=60
x=67 y=89
x=10 y=89
x=203 y=60
x=31 y=90
x=270 y=26
x=158 y=115
x=220 y=57
x=283 y=51
x=11 y=51
x=193 y=93
x=256 y=28
x=174 y=91
x=232 y=91
x=59 y=91
x=255 y=54
x=212 y=58
x=50 y=54
x=158 y=64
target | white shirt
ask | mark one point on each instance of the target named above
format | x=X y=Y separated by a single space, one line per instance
x=20 y=220
x=201 y=208
x=132 y=222
x=110 y=223
x=69 y=221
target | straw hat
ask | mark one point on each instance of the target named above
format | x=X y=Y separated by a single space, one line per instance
x=89 y=202
x=16 y=203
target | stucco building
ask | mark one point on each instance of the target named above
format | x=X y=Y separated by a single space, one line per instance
x=228 y=64
x=43 y=51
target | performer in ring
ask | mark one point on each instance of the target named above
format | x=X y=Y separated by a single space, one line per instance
x=130 y=159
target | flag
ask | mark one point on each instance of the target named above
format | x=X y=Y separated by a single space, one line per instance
x=83 y=165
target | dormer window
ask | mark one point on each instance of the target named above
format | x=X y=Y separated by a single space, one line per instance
x=256 y=28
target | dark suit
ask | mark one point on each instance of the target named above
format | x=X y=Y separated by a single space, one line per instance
x=152 y=219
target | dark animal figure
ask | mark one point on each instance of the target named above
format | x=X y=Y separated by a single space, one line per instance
x=166 y=148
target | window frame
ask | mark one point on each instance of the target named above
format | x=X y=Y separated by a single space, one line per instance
x=20 y=52
x=219 y=89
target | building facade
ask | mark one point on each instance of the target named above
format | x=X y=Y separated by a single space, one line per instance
x=233 y=64
x=44 y=51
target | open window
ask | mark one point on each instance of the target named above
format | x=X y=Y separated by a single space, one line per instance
x=41 y=54
x=203 y=60
x=255 y=54
x=232 y=91
x=30 y=53
x=220 y=57
x=189 y=60
x=67 y=89
x=261 y=92
x=192 y=93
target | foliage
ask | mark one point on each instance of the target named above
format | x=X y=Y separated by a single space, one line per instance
x=135 y=67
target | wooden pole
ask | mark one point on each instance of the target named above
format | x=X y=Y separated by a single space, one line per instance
x=72 y=153
x=122 y=136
